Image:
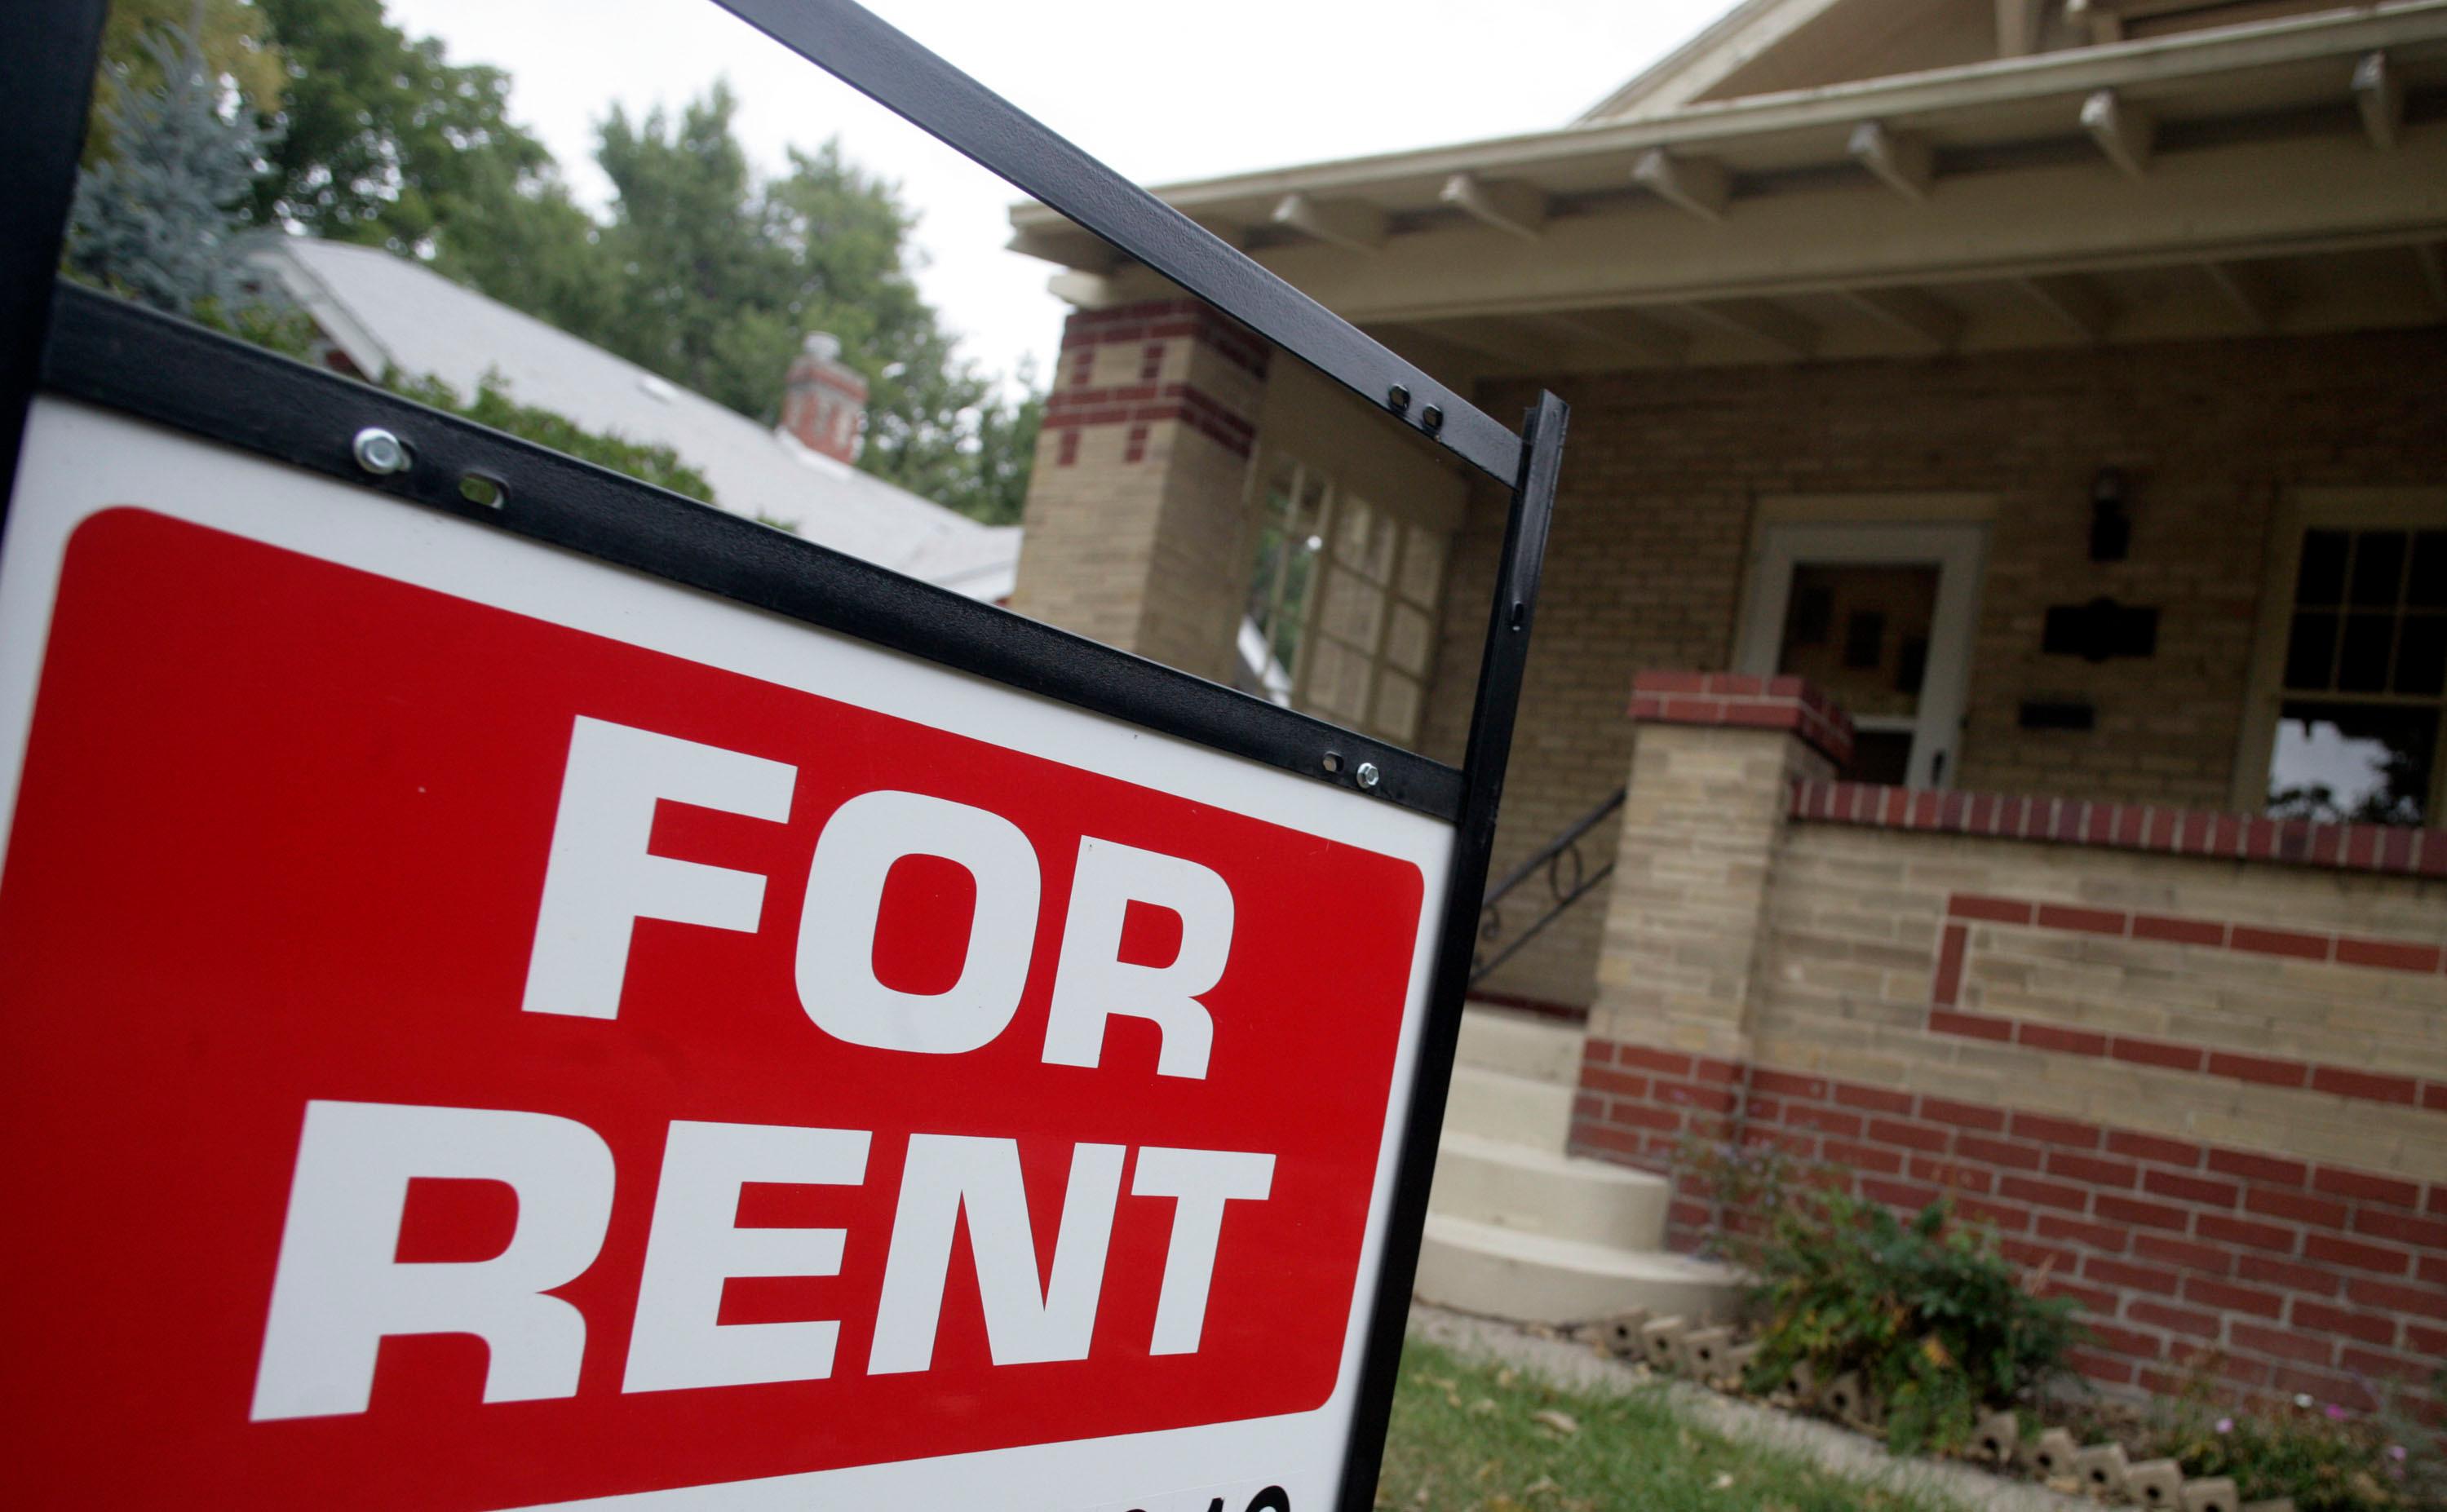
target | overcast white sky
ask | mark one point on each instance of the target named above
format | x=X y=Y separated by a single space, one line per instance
x=1161 y=91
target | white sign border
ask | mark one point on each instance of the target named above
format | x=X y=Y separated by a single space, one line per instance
x=78 y=461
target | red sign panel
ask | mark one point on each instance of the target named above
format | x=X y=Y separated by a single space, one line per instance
x=459 y=1060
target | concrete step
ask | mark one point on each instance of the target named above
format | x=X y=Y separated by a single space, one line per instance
x=1515 y=1109
x=1537 y=1278
x=1518 y=1044
x=1535 y=1191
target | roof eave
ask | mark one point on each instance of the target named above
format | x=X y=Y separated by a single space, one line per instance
x=1936 y=92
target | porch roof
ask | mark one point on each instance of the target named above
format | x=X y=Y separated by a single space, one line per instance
x=2292 y=174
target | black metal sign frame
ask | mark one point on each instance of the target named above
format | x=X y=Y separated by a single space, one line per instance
x=74 y=343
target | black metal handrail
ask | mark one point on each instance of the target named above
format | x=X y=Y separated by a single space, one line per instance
x=1551 y=859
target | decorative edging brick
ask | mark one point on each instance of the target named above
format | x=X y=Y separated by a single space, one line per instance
x=1953 y=956
x=2284 y=1275
x=1734 y=701
x=2385 y=848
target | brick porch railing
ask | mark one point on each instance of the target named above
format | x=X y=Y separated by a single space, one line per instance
x=2192 y=1066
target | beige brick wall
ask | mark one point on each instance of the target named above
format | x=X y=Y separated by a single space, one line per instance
x=1702 y=828
x=1135 y=513
x=1854 y=924
x=1663 y=469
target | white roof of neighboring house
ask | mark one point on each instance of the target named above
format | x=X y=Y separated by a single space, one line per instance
x=386 y=312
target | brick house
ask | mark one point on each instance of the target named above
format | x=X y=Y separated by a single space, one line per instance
x=1986 y=705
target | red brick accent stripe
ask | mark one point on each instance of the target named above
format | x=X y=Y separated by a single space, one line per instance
x=1143 y=404
x=1155 y=320
x=2290 y=1276
x=1757 y=703
x=1946 y=1015
x=2129 y=826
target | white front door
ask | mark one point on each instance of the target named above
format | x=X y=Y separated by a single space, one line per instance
x=1879 y=618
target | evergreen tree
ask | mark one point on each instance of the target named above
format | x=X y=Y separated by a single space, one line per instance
x=233 y=35
x=157 y=219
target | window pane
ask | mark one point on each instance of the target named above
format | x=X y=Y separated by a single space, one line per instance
x=1351 y=531
x=2378 y=568
x=2310 y=651
x=2362 y=665
x=1423 y=566
x=1338 y=682
x=2340 y=762
x=2322 y=579
x=1410 y=641
x=1354 y=608
x=1851 y=630
x=2427 y=587
x=1378 y=563
x=2422 y=656
x=1397 y=706
x=1365 y=542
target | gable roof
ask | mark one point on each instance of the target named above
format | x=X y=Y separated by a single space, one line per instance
x=386 y=312
x=1765 y=46
x=1674 y=79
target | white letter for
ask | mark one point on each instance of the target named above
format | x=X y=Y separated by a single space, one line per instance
x=600 y=879
x=1201 y=1181
x=837 y=983
x=947 y=1172
x=337 y=1290
x=695 y=1245
x=1091 y=983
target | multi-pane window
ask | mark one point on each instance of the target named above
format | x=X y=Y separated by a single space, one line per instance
x=1344 y=601
x=2363 y=683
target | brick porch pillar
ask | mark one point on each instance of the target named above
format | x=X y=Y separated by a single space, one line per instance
x=1134 y=514
x=1712 y=775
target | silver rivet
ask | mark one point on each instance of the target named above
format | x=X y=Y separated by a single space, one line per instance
x=380 y=452
x=1367 y=774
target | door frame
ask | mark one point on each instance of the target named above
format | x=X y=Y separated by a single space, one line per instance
x=1957 y=549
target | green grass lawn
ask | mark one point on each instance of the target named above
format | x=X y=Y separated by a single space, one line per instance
x=1469 y=1437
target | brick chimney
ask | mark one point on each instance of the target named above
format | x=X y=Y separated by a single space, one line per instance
x=823 y=400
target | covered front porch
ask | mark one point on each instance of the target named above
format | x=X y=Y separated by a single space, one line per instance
x=2068 y=435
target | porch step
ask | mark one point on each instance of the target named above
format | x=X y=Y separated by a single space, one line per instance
x=1527 y=1190
x=1516 y=1109
x=1539 y=1279
x=1518 y=1044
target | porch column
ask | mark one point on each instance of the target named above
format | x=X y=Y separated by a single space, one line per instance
x=1712 y=774
x=1134 y=512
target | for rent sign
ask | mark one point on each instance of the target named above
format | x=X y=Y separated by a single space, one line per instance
x=488 y=1029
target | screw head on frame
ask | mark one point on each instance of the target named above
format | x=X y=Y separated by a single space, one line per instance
x=379 y=452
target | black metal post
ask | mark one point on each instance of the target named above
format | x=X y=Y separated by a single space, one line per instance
x=1503 y=663
x=48 y=49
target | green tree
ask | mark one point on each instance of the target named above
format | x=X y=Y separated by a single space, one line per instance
x=710 y=295
x=722 y=276
x=157 y=220
x=493 y=406
x=233 y=36
x=384 y=140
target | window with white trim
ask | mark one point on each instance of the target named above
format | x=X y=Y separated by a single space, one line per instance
x=2352 y=694
x=1343 y=602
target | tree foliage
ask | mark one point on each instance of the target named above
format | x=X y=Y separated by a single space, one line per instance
x=492 y=404
x=157 y=219
x=701 y=270
x=233 y=36
x=383 y=141
x=722 y=275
